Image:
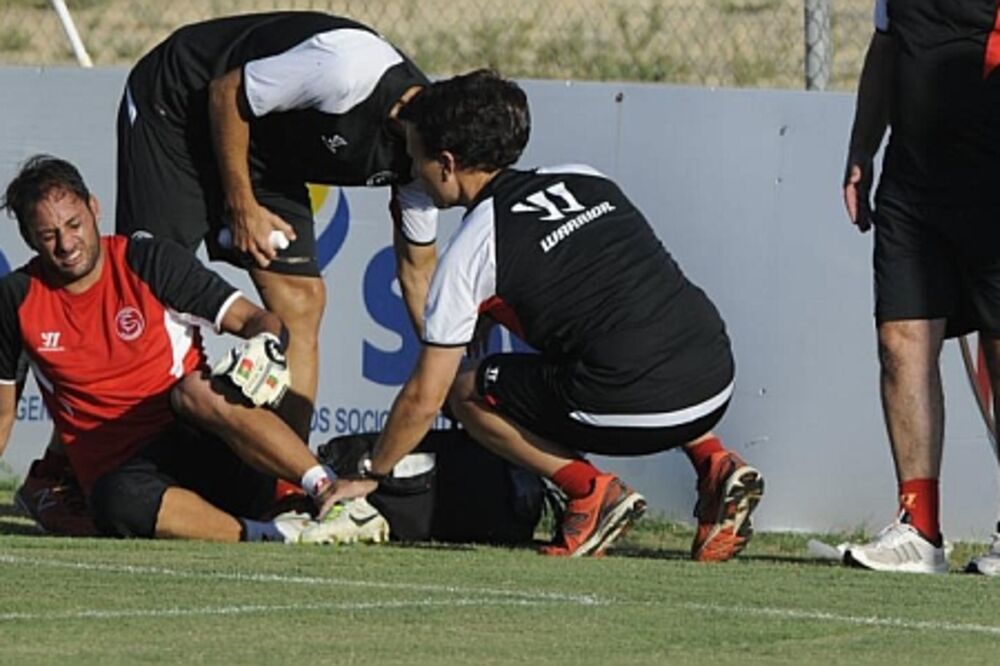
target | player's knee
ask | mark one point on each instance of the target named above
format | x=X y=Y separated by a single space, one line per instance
x=902 y=343
x=301 y=306
x=125 y=506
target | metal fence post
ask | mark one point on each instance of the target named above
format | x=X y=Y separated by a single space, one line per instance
x=819 y=50
x=66 y=20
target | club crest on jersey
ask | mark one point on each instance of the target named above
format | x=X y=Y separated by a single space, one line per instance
x=129 y=323
x=333 y=143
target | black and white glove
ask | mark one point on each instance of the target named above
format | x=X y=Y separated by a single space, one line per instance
x=258 y=368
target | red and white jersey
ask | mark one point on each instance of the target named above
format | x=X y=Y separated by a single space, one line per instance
x=105 y=360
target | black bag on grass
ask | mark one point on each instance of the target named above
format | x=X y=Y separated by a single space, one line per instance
x=449 y=489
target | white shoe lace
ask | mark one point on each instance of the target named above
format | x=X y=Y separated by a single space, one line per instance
x=892 y=535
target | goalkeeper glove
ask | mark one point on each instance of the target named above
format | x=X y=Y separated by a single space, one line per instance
x=258 y=368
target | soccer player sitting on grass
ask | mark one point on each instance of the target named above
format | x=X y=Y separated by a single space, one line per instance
x=161 y=446
x=634 y=357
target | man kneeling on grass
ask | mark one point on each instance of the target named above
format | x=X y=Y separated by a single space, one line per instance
x=108 y=325
x=634 y=358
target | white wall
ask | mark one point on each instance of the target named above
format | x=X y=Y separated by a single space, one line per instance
x=742 y=186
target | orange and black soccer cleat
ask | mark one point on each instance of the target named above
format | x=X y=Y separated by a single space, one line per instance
x=727 y=495
x=55 y=502
x=593 y=522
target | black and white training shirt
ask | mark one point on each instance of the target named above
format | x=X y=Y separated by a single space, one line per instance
x=945 y=114
x=562 y=258
x=319 y=87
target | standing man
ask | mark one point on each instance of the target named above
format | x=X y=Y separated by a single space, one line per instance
x=160 y=447
x=222 y=125
x=634 y=358
x=931 y=74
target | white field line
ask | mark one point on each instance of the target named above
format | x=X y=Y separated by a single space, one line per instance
x=488 y=597
x=250 y=577
x=870 y=621
x=94 y=614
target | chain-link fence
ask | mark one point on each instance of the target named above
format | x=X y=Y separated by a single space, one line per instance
x=761 y=43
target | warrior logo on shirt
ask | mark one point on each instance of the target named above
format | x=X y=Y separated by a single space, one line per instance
x=50 y=342
x=130 y=323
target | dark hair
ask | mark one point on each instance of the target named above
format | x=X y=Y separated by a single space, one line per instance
x=38 y=176
x=480 y=117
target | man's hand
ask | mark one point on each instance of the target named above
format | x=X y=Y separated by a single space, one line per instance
x=258 y=368
x=341 y=490
x=857 y=193
x=251 y=226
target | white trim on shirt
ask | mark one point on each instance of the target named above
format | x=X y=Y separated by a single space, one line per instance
x=465 y=277
x=332 y=72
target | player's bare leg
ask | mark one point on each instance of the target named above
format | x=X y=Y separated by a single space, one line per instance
x=185 y=515
x=991 y=350
x=913 y=402
x=912 y=397
x=256 y=434
x=299 y=301
x=988 y=563
x=504 y=437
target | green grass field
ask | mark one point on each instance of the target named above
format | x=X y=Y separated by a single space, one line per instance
x=85 y=601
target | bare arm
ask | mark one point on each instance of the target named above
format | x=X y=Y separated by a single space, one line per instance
x=414 y=267
x=413 y=413
x=8 y=410
x=245 y=320
x=229 y=116
x=417 y=405
x=871 y=118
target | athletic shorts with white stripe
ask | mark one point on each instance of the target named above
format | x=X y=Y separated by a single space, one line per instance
x=527 y=389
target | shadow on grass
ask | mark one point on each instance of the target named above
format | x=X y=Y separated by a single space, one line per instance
x=685 y=555
x=13 y=522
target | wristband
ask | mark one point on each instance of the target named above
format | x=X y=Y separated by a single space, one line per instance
x=316 y=479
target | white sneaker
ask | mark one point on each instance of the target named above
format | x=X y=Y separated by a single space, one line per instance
x=291 y=524
x=988 y=563
x=898 y=547
x=357 y=521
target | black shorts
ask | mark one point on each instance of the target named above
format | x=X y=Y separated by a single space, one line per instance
x=526 y=389
x=938 y=262
x=168 y=185
x=126 y=501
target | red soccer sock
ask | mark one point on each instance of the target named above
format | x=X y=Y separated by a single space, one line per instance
x=576 y=479
x=918 y=498
x=700 y=454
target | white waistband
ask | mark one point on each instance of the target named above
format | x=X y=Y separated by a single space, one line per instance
x=656 y=420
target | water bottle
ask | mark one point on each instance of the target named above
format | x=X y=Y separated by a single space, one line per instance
x=279 y=241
